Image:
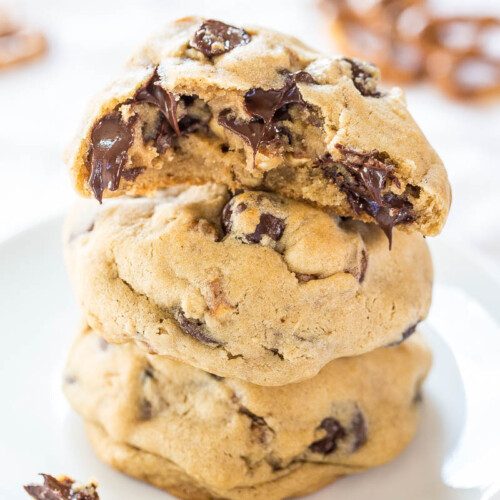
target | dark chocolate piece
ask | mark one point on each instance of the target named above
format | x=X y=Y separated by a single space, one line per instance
x=110 y=140
x=195 y=328
x=364 y=177
x=334 y=432
x=131 y=174
x=227 y=213
x=268 y=225
x=160 y=98
x=358 y=430
x=360 y=78
x=60 y=489
x=363 y=266
x=407 y=333
x=258 y=424
x=214 y=38
x=266 y=107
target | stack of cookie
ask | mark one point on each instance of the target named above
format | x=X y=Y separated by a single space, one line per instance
x=244 y=315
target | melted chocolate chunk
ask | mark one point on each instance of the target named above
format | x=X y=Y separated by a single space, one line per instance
x=60 y=489
x=110 y=140
x=266 y=107
x=361 y=80
x=214 y=38
x=334 y=432
x=364 y=177
x=195 y=328
x=407 y=333
x=227 y=213
x=152 y=93
x=131 y=174
x=268 y=225
x=358 y=430
x=160 y=98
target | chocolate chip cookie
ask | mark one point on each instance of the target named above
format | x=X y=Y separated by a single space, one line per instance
x=251 y=285
x=250 y=108
x=201 y=436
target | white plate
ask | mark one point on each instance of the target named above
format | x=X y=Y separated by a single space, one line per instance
x=455 y=455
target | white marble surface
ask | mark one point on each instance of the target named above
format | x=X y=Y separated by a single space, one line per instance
x=41 y=103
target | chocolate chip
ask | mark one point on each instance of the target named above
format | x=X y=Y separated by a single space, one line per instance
x=195 y=328
x=216 y=377
x=258 y=424
x=363 y=266
x=334 y=432
x=364 y=177
x=407 y=333
x=131 y=174
x=165 y=102
x=268 y=225
x=266 y=107
x=110 y=141
x=152 y=93
x=358 y=430
x=60 y=489
x=227 y=213
x=214 y=38
x=362 y=80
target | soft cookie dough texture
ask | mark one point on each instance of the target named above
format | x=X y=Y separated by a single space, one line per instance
x=255 y=109
x=202 y=437
x=254 y=286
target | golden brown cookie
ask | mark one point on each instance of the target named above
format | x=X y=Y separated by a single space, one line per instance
x=204 y=437
x=255 y=109
x=254 y=286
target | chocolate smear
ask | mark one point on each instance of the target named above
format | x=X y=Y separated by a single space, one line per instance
x=160 y=98
x=266 y=107
x=195 y=328
x=268 y=225
x=258 y=424
x=362 y=80
x=358 y=430
x=110 y=140
x=131 y=174
x=364 y=177
x=61 y=489
x=214 y=38
x=334 y=432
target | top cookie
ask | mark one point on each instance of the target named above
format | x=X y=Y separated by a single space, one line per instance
x=251 y=108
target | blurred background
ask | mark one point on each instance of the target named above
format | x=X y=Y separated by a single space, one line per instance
x=42 y=100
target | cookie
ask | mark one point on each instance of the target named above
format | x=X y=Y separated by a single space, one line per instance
x=251 y=108
x=254 y=286
x=202 y=436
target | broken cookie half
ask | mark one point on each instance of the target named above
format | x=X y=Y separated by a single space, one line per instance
x=250 y=108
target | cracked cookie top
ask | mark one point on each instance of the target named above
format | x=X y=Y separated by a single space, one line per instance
x=250 y=285
x=250 y=108
x=228 y=434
